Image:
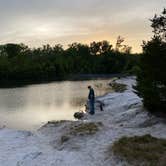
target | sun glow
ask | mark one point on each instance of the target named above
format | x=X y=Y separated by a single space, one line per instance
x=43 y=29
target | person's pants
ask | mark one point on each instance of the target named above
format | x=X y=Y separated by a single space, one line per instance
x=92 y=107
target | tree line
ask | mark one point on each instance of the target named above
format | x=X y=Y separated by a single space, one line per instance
x=19 y=63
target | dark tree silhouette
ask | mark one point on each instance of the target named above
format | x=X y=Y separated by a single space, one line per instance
x=120 y=47
x=19 y=63
x=13 y=49
x=101 y=47
x=159 y=25
x=152 y=75
x=119 y=42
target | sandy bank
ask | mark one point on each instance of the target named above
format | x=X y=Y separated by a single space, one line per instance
x=78 y=143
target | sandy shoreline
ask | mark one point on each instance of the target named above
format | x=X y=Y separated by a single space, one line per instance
x=55 y=144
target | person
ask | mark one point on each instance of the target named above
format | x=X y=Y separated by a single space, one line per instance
x=91 y=98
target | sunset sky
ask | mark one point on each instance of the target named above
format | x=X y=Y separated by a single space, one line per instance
x=38 y=22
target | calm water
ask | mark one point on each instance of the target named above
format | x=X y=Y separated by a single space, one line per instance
x=32 y=106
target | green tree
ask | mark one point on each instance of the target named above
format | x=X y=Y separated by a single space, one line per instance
x=159 y=25
x=13 y=50
x=19 y=63
x=152 y=75
x=120 y=47
x=78 y=49
x=101 y=47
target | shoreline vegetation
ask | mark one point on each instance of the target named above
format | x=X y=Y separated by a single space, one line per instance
x=20 y=64
x=145 y=150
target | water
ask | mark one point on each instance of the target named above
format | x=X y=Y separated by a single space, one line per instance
x=30 y=107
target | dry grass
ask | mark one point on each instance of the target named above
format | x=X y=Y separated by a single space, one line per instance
x=81 y=129
x=117 y=87
x=57 y=123
x=85 y=129
x=141 y=150
x=102 y=88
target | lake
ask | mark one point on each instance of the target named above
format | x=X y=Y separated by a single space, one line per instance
x=30 y=107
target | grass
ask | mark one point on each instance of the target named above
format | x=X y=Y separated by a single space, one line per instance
x=117 y=87
x=102 y=88
x=81 y=129
x=141 y=150
x=85 y=129
x=57 y=123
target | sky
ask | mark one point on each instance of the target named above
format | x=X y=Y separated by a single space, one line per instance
x=39 y=22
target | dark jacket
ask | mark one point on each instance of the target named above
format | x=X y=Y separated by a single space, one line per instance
x=91 y=95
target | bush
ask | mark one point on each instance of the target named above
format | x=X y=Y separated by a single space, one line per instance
x=152 y=74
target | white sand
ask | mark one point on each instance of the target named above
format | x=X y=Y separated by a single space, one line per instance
x=123 y=116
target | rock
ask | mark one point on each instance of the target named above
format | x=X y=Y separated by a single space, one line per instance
x=78 y=115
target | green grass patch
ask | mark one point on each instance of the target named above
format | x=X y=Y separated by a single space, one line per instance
x=141 y=150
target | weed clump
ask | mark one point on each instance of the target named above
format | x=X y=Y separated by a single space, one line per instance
x=81 y=129
x=117 y=87
x=85 y=128
x=145 y=150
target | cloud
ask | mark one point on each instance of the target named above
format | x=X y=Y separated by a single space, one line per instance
x=51 y=21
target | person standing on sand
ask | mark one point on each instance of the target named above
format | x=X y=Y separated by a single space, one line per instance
x=91 y=98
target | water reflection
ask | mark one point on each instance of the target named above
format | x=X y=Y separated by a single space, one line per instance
x=78 y=101
x=30 y=107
